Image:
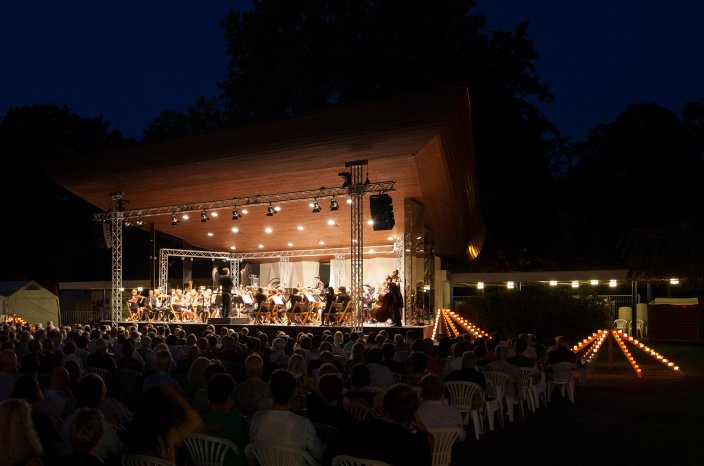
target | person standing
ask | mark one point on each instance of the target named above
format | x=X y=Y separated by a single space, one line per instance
x=397 y=302
x=226 y=283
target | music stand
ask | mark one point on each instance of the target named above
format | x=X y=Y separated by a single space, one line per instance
x=239 y=302
x=278 y=300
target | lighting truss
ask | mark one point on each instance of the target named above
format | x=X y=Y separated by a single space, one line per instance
x=281 y=198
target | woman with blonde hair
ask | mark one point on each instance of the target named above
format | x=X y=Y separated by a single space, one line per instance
x=19 y=441
x=297 y=366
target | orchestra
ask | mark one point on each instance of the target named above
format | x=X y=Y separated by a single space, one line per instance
x=315 y=305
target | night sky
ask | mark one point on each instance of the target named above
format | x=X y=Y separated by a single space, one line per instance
x=127 y=61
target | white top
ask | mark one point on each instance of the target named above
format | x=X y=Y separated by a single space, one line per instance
x=437 y=413
x=286 y=428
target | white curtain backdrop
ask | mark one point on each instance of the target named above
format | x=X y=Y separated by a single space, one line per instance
x=375 y=271
x=303 y=272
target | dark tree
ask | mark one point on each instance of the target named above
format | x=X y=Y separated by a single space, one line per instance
x=48 y=231
x=292 y=57
x=640 y=173
x=202 y=117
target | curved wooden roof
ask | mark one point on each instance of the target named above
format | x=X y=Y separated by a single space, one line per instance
x=423 y=142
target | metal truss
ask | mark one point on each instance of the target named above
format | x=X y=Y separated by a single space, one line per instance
x=281 y=198
x=356 y=192
x=383 y=249
x=235 y=269
x=165 y=253
x=339 y=269
x=283 y=271
x=116 y=220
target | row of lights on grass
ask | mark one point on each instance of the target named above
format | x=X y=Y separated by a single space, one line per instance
x=648 y=350
x=467 y=325
x=629 y=356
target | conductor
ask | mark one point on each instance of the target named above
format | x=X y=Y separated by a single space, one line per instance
x=226 y=283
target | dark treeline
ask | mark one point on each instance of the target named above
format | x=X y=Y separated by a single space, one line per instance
x=548 y=202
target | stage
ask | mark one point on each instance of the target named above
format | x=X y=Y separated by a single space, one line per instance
x=197 y=328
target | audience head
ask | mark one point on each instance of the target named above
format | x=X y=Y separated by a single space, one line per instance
x=297 y=364
x=220 y=388
x=254 y=365
x=27 y=388
x=86 y=430
x=283 y=385
x=501 y=352
x=331 y=388
x=360 y=376
x=469 y=360
x=400 y=403
x=419 y=362
x=17 y=431
x=521 y=345
x=374 y=355
x=89 y=391
x=432 y=387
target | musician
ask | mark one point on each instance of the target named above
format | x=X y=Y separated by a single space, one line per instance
x=343 y=297
x=260 y=297
x=329 y=300
x=136 y=304
x=396 y=302
x=320 y=286
x=225 y=281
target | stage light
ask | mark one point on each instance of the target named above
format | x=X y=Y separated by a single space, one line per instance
x=214 y=214
x=121 y=205
x=674 y=281
x=575 y=284
x=370 y=222
x=334 y=205
x=235 y=230
x=260 y=246
x=594 y=282
x=128 y=223
x=267 y=230
x=510 y=285
x=184 y=217
x=612 y=283
x=366 y=181
x=347 y=176
x=300 y=228
x=480 y=285
x=203 y=216
x=140 y=222
x=553 y=282
x=331 y=222
x=270 y=211
x=235 y=214
x=321 y=242
x=210 y=233
x=349 y=200
x=277 y=209
x=174 y=220
x=245 y=211
x=390 y=238
x=233 y=248
x=290 y=244
x=316 y=207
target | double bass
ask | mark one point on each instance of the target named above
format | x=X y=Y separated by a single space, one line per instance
x=384 y=311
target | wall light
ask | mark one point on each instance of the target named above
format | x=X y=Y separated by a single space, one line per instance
x=553 y=282
x=575 y=284
x=480 y=285
x=510 y=285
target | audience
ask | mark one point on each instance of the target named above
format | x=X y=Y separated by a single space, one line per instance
x=433 y=411
x=19 y=442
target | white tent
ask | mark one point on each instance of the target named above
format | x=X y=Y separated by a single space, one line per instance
x=29 y=300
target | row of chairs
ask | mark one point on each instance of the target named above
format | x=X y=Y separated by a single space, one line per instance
x=627 y=325
x=338 y=314
x=480 y=405
x=206 y=450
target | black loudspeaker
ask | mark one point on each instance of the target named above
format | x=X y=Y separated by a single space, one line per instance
x=382 y=211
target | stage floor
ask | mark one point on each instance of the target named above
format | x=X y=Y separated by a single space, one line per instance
x=292 y=331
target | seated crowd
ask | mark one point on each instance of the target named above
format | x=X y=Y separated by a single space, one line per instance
x=89 y=395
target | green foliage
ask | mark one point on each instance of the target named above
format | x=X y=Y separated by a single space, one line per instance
x=545 y=312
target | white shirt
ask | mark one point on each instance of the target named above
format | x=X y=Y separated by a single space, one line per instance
x=437 y=413
x=381 y=376
x=286 y=428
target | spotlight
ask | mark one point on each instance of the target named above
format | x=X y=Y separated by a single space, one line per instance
x=174 y=220
x=334 y=205
x=203 y=216
x=121 y=205
x=270 y=211
x=235 y=214
x=127 y=222
x=316 y=207
x=348 y=179
x=140 y=222
x=366 y=180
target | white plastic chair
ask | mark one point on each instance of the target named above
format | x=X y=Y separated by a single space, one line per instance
x=103 y=373
x=347 y=460
x=526 y=392
x=360 y=411
x=640 y=324
x=491 y=404
x=275 y=454
x=468 y=398
x=621 y=324
x=144 y=460
x=325 y=433
x=207 y=450
x=562 y=376
x=444 y=438
x=505 y=399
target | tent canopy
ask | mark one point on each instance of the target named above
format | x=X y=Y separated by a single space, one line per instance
x=29 y=300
